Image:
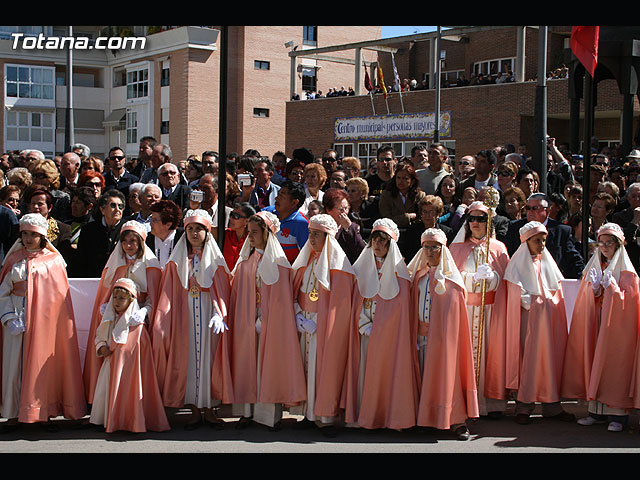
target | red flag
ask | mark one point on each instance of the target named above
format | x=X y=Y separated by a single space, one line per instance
x=367 y=81
x=584 y=45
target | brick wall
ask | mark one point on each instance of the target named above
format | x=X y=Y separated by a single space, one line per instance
x=481 y=116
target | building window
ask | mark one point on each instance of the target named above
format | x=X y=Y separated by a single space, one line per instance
x=309 y=80
x=164 y=77
x=343 y=149
x=310 y=36
x=164 y=127
x=119 y=77
x=261 y=65
x=492 y=67
x=29 y=82
x=138 y=83
x=29 y=126
x=261 y=112
x=132 y=126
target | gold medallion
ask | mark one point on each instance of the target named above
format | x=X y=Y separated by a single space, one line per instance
x=367 y=303
x=313 y=295
x=194 y=291
x=258 y=297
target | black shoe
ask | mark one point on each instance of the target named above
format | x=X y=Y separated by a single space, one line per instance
x=243 y=422
x=563 y=417
x=462 y=433
x=495 y=415
x=523 y=418
x=215 y=424
x=276 y=427
x=303 y=424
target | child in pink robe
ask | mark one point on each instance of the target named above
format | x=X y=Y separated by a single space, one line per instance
x=600 y=359
x=448 y=394
x=388 y=388
x=126 y=395
x=262 y=366
x=536 y=327
x=41 y=370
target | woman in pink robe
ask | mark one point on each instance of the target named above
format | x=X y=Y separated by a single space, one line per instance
x=600 y=358
x=477 y=269
x=536 y=327
x=261 y=363
x=127 y=395
x=131 y=258
x=189 y=320
x=388 y=388
x=448 y=395
x=41 y=370
x=324 y=283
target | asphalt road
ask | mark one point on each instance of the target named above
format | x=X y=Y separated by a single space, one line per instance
x=487 y=436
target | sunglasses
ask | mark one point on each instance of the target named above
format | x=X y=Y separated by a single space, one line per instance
x=505 y=174
x=478 y=218
x=535 y=208
x=115 y=205
x=117 y=157
x=236 y=215
x=610 y=243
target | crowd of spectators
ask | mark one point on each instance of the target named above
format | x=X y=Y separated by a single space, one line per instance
x=411 y=84
x=86 y=199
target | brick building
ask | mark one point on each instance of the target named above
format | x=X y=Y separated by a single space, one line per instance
x=477 y=117
x=169 y=89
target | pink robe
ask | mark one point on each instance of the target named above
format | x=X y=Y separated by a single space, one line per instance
x=534 y=362
x=135 y=404
x=390 y=392
x=599 y=359
x=170 y=332
x=448 y=393
x=235 y=377
x=337 y=348
x=92 y=362
x=496 y=351
x=51 y=369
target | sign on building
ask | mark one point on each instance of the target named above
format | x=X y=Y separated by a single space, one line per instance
x=391 y=127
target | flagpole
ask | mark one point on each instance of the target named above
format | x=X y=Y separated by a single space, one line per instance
x=586 y=151
x=367 y=85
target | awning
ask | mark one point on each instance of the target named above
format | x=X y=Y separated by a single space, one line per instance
x=115 y=117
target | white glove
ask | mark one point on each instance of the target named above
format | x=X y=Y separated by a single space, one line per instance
x=366 y=329
x=258 y=326
x=300 y=321
x=461 y=209
x=137 y=318
x=16 y=326
x=484 y=272
x=595 y=278
x=218 y=325
x=310 y=326
x=103 y=307
x=608 y=280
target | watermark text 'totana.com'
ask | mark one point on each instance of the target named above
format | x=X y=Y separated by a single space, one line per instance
x=77 y=43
